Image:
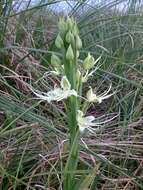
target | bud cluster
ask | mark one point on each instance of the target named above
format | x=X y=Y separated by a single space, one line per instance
x=68 y=38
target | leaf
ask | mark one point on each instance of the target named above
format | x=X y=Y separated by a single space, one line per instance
x=85 y=182
x=25 y=112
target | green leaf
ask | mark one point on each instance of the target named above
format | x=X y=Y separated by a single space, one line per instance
x=86 y=181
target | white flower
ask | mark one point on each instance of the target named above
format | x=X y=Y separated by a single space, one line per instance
x=91 y=97
x=57 y=94
x=89 y=122
x=85 y=122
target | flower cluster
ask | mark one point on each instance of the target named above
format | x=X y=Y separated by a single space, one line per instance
x=73 y=73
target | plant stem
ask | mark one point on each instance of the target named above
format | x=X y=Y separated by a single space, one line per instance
x=71 y=165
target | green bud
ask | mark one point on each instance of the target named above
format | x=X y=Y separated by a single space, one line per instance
x=69 y=37
x=55 y=60
x=59 y=42
x=65 y=83
x=70 y=23
x=78 y=42
x=78 y=75
x=89 y=61
x=73 y=41
x=69 y=54
x=62 y=25
x=75 y=29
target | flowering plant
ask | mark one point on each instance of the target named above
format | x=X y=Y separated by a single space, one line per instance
x=73 y=74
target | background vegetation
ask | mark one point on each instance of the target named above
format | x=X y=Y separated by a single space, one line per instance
x=32 y=134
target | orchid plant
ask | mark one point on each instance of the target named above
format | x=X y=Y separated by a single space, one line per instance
x=73 y=73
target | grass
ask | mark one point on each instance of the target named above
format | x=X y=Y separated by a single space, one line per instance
x=33 y=150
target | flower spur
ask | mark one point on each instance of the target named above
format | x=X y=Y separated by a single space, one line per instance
x=57 y=94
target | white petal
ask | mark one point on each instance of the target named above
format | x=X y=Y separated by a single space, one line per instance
x=89 y=94
x=99 y=99
x=106 y=97
x=61 y=94
x=55 y=72
x=91 y=130
x=81 y=128
x=107 y=91
x=90 y=118
x=72 y=92
x=40 y=96
x=91 y=73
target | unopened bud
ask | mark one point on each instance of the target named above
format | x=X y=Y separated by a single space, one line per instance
x=65 y=83
x=69 y=37
x=70 y=54
x=78 y=42
x=70 y=23
x=62 y=25
x=75 y=29
x=59 y=42
x=55 y=60
x=88 y=62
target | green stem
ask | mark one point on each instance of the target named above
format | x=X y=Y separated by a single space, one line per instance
x=71 y=165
